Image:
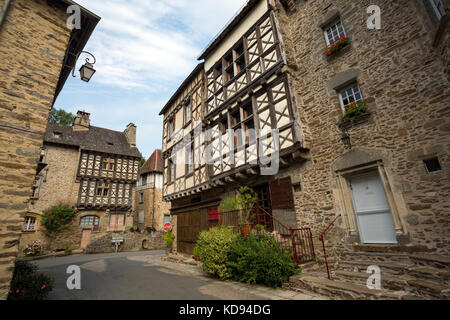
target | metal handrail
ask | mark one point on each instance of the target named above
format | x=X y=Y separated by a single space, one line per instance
x=297 y=240
x=321 y=238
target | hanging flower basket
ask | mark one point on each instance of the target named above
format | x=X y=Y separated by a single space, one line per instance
x=336 y=46
x=353 y=110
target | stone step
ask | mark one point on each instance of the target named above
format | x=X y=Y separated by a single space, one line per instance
x=387 y=282
x=430 y=289
x=387 y=268
x=377 y=256
x=344 y=290
x=431 y=260
x=431 y=274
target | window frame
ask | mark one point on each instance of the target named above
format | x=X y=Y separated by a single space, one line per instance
x=345 y=89
x=330 y=26
x=436 y=10
x=189 y=155
x=171 y=170
x=101 y=185
x=95 y=222
x=187 y=104
x=27 y=224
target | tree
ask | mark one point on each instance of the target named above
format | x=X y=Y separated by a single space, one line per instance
x=143 y=161
x=60 y=116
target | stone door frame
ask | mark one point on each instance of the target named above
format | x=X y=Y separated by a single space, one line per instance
x=345 y=198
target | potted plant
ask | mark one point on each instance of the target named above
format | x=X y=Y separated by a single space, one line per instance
x=247 y=198
x=196 y=254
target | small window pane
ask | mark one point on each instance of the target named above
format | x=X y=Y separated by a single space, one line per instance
x=432 y=165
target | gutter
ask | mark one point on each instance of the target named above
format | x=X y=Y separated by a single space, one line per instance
x=4 y=11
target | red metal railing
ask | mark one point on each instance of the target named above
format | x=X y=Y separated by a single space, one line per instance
x=298 y=241
x=321 y=238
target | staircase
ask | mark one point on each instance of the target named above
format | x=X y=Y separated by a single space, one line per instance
x=404 y=275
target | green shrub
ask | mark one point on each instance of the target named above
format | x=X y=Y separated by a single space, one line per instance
x=213 y=248
x=68 y=249
x=28 y=284
x=259 y=259
x=56 y=218
x=169 y=237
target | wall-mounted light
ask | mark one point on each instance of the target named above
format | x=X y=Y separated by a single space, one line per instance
x=87 y=70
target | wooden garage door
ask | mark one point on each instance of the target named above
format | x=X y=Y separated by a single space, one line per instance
x=189 y=225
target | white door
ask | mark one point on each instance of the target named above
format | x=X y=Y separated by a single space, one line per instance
x=372 y=211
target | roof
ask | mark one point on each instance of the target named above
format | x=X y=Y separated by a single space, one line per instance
x=181 y=87
x=94 y=139
x=240 y=15
x=154 y=163
x=77 y=42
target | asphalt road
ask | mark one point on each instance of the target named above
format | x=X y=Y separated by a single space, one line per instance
x=143 y=276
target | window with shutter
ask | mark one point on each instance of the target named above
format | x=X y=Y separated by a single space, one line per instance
x=281 y=194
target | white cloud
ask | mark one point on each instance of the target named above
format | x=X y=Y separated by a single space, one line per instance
x=140 y=42
x=144 y=50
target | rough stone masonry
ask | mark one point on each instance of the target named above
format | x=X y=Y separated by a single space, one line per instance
x=33 y=41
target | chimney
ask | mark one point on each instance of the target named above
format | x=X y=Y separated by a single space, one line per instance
x=82 y=121
x=130 y=134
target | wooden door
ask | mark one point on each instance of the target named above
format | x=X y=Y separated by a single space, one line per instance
x=85 y=238
x=372 y=211
x=117 y=222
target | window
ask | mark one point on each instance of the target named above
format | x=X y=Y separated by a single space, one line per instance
x=171 y=127
x=438 y=7
x=29 y=224
x=236 y=118
x=333 y=33
x=108 y=164
x=187 y=112
x=250 y=135
x=224 y=126
x=144 y=180
x=141 y=197
x=166 y=219
x=141 y=216
x=102 y=189
x=88 y=221
x=248 y=111
x=350 y=95
x=229 y=71
x=240 y=57
x=432 y=165
x=171 y=173
x=190 y=157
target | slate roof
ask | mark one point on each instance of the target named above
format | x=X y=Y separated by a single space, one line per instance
x=94 y=139
x=154 y=163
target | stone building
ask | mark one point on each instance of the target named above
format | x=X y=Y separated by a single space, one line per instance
x=38 y=52
x=151 y=210
x=91 y=169
x=363 y=122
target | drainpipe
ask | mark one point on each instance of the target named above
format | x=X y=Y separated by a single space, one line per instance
x=4 y=11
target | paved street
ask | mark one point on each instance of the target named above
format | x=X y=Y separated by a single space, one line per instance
x=143 y=276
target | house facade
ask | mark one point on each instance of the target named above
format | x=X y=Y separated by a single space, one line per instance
x=380 y=170
x=91 y=169
x=38 y=51
x=152 y=211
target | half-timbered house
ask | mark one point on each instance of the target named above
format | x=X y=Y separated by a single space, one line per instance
x=244 y=130
x=92 y=169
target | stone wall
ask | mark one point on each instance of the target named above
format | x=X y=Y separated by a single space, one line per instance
x=33 y=41
x=133 y=241
x=404 y=80
x=154 y=207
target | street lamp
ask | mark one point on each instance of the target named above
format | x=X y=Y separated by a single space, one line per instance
x=87 y=70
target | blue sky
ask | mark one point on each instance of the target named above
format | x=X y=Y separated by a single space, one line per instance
x=144 y=50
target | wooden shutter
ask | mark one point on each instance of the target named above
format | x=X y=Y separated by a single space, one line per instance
x=281 y=194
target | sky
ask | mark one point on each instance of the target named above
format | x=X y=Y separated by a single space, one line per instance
x=144 y=51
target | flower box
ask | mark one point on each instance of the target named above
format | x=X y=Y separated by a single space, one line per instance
x=354 y=109
x=336 y=46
